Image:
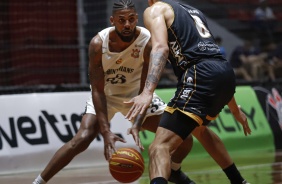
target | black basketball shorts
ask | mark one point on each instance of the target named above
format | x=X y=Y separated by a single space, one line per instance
x=203 y=90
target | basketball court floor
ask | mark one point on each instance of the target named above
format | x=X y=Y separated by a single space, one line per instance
x=257 y=168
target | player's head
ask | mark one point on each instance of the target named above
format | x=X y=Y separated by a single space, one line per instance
x=124 y=18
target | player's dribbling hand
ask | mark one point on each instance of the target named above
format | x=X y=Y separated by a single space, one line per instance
x=242 y=118
x=109 y=144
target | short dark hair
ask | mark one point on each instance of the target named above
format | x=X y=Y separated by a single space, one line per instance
x=123 y=4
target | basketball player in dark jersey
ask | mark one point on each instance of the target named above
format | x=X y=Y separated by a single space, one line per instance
x=206 y=82
x=105 y=49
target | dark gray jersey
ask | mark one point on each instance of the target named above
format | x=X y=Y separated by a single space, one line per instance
x=189 y=38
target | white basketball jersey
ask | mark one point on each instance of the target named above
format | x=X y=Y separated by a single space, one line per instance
x=123 y=69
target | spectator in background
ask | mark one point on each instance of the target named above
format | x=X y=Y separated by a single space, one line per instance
x=218 y=41
x=247 y=56
x=274 y=60
x=264 y=20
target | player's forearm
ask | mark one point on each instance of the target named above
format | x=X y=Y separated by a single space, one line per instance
x=157 y=64
x=103 y=123
x=233 y=106
x=100 y=104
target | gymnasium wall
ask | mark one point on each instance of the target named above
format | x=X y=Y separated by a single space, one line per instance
x=33 y=126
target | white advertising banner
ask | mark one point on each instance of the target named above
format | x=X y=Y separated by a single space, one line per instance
x=34 y=126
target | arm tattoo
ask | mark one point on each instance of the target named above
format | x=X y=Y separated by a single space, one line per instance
x=157 y=64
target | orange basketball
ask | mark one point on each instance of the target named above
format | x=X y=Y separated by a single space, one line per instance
x=126 y=165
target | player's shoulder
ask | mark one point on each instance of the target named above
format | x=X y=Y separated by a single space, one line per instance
x=105 y=32
x=157 y=8
x=97 y=41
x=161 y=4
x=95 y=45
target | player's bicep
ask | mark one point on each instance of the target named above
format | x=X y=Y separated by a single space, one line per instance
x=156 y=24
x=95 y=67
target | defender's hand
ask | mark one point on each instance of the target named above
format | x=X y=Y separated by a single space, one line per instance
x=135 y=134
x=140 y=104
x=242 y=118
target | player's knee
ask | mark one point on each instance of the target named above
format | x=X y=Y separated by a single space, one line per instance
x=199 y=131
x=81 y=140
x=155 y=149
x=152 y=150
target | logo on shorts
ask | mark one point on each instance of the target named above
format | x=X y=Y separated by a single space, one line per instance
x=185 y=94
x=190 y=80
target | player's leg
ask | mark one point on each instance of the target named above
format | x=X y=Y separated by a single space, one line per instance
x=87 y=132
x=160 y=151
x=173 y=129
x=151 y=123
x=176 y=175
x=222 y=90
x=215 y=147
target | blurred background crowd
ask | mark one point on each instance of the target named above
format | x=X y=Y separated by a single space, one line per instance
x=44 y=43
x=257 y=58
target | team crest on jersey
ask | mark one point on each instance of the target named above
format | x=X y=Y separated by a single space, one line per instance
x=119 y=61
x=135 y=53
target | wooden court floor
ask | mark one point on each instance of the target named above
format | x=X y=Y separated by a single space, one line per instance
x=256 y=168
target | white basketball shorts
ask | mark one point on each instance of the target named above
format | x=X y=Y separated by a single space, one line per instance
x=115 y=105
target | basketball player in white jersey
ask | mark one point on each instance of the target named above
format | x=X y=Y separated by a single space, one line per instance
x=118 y=65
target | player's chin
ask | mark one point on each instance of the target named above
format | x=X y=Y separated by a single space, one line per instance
x=127 y=36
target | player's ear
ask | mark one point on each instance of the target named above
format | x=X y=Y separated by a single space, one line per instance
x=112 y=20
